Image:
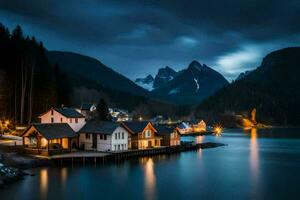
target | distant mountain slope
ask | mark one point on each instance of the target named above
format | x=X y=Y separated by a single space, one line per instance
x=91 y=69
x=146 y=83
x=191 y=85
x=273 y=89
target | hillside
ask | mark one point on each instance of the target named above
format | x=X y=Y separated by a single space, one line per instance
x=80 y=66
x=273 y=89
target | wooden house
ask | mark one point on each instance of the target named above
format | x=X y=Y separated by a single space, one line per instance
x=142 y=135
x=170 y=136
x=49 y=138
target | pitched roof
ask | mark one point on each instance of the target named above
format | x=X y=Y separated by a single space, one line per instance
x=53 y=130
x=164 y=130
x=69 y=112
x=99 y=127
x=183 y=125
x=86 y=106
x=136 y=126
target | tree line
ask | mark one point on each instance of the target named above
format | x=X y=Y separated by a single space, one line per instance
x=28 y=83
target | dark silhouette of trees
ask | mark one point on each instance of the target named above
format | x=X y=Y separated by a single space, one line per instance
x=29 y=83
x=102 y=111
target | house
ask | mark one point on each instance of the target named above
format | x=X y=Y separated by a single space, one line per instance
x=184 y=128
x=64 y=115
x=170 y=135
x=142 y=135
x=199 y=127
x=49 y=138
x=103 y=136
x=88 y=110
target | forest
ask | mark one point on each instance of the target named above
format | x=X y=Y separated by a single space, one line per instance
x=28 y=83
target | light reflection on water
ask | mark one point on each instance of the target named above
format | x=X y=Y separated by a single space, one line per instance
x=44 y=183
x=149 y=177
x=256 y=164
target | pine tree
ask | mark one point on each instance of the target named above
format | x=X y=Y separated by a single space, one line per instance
x=102 y=110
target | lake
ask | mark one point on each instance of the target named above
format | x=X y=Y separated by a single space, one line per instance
x=256 y=164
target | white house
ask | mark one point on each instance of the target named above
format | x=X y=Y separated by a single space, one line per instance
x=103 y=136
x=64 y=115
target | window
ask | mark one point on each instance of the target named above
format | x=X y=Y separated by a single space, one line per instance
x=119 y=135
x=122 y=135
x=147 y=133
x=125 y=146
x=76 y=120
x=87 y=136
x=101 y=137
x=105 y=138
x=115 y=147
x=122 y=146
x=71 y=120
x=51 y=111
x=118 y=147
x=61 y=119
x=116 y=135
x=52 y=120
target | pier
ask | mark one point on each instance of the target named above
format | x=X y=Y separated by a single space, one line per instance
x=100 y=157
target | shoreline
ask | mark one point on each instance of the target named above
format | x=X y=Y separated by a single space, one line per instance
x=13 y=165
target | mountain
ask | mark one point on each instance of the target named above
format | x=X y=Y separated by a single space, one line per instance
x=273 y=89
x=191 y=85
x=80 y=66
x=146 y=83
x=163 y=76
x=242 y=75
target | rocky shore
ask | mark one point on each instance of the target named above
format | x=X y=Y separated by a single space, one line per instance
x=13 y=164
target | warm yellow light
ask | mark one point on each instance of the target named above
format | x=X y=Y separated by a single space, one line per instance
x=7 y=122
x=140 y=118
x=218 y=130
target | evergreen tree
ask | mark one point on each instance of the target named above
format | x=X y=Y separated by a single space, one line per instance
x=102 y=110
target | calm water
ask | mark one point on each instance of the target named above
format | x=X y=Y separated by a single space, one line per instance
x=262 y=164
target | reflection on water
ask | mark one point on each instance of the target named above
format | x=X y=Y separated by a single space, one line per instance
x=254 y=152
x=199 y=139
x=150 y=179
x=43 y=183
x=64 y=174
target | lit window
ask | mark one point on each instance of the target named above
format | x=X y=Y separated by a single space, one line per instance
x=147 y=133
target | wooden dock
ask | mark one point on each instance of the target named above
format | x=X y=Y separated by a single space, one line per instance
x=101 y=157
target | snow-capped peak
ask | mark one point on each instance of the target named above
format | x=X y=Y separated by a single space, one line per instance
x=146 y=83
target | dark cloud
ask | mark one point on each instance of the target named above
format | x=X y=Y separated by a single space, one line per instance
x=135 y=37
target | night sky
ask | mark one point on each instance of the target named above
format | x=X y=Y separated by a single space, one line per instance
x=136 y=38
